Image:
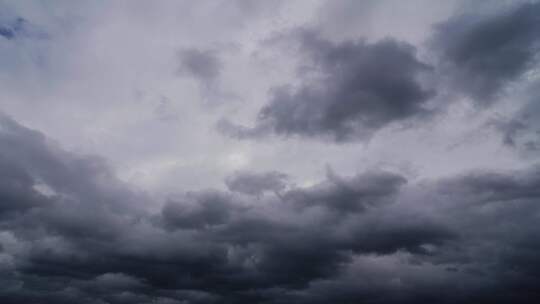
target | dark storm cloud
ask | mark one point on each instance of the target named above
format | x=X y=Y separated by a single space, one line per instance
x=369 y=237
x=321 y=247
x=253 y=183
x=484 y=53
x=88 y=234
x=349 y=91
x=490 y=256
x=496 y=215
x=72 y=232
x=29 y=160
x=16 y=190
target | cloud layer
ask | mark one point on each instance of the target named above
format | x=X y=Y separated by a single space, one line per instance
x=380 y=163
x=86 y=241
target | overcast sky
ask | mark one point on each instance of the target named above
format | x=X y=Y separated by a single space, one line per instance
x=236 y=151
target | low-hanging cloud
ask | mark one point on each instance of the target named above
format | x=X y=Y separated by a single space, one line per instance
x=89 y=240
x=410 y=218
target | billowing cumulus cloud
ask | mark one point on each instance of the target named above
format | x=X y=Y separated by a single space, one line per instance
x=116 y=187
x=352 y=89
x=400 y=241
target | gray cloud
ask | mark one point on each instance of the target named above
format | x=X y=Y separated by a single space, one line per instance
x=202 y=210
x=349 y=195
x=81 y=228
x=521 y=131
x=12 y=29
x=91 y=236
x=483 y=54
x=356 y=89
x=203 y=65
x=253 y=183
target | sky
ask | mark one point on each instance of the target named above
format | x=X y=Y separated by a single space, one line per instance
x=276 y=152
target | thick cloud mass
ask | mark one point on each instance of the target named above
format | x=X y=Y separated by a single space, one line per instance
x=351 y=195
x=116 y=188
x=484 y=53
x=358 y=88
x=86 y=241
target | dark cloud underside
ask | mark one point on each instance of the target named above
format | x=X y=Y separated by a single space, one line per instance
x=357 y=88
x=68 y=246
x=253 y=183
x=71 y=231
x=483 y=54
